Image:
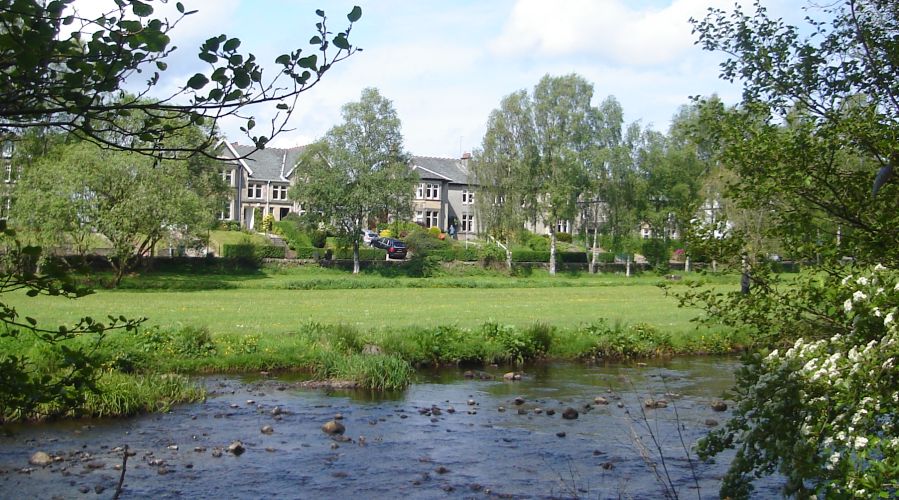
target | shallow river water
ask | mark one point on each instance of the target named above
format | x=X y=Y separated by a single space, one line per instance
x=395 y=444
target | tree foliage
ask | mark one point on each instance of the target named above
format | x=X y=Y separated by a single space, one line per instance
x=78 y=190
x=63 y=70
x=552 y=131
x=357 y=170
x=817 y=128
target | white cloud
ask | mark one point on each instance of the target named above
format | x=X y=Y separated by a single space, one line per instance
x=612 y=30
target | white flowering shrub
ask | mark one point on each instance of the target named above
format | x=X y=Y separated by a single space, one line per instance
x=824 y=411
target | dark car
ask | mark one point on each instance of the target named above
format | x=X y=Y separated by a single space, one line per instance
x=396 y=249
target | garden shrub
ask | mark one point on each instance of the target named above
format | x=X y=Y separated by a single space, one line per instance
x=307 y=252
x=529 y=256
x=319 y=238
x=563 y=237
x=434 y=231
x=573 y=257
x=364 y=253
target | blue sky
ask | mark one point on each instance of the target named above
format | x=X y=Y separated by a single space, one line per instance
x=446 y=64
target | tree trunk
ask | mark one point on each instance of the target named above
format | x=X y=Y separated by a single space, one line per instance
x=593 y=251
x=628 y=268
x=508 y=256
x=356 y=256
x=552 y=251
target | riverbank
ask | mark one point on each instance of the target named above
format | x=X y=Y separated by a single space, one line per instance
x=319 y=321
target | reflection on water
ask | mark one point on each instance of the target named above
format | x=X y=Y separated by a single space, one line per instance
x=399 y=445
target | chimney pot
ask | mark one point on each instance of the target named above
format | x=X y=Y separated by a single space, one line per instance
x=466 y=156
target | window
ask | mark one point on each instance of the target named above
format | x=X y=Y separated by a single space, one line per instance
x=420 y=192
x=8 y=167
x=467 y=223
x=563 y=226
x=254 y=190
x=226 y=211
x=7 y=149
x=646 y=232
x=432 y=191
x=432 y=218
x=419 y=216
x=228 y=177
x=467 y=197
x=279 y=192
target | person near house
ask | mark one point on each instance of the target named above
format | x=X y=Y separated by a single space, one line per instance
x=452 y=231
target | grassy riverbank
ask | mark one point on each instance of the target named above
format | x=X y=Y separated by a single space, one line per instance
x=372 y=329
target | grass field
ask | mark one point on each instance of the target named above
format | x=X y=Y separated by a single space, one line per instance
x=271 y=302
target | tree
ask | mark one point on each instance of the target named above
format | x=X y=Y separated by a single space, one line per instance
x=554 y=131
x=813 y=145
x=60 y=71
x=346 y=176
x=66 y=71
x=135 y=201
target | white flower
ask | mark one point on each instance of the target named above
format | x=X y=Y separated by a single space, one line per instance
x=773 y=354
x=888 y=364
x=859 y=296
x=833 y=461
x=896 y=287
x=877 y=312
x=862 y=280
x=860 y=442
x=847 y=306
x=846 y=279
x=888 y=319
x=880 y=267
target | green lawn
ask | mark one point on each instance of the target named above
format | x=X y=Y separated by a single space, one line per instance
x=263 y=303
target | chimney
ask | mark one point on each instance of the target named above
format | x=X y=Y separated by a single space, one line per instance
x=466 y=156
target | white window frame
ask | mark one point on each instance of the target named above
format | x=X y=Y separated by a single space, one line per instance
x=420 y=191
x=226 y=211
x=432 y=218
x=467 y=197
x=563 y=226
x=254 y=190
x=279 y=192
x=432 y=191
x=228 y=177
x=419 y=216
x=467 y=222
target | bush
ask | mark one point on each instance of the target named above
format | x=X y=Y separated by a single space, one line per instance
x=230 y=225
x=364 y=253
x=248 y=252
x=529 y=256
x=319 y=238
x=434 y=231
x=563 y=237
x=423 y=242
x=308 y=253
x=293 y=233
x=491 y=253
x=573 y=257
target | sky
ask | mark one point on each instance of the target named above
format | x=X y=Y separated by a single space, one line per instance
x=446 y=65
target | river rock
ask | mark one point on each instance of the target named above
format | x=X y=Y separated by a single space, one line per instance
x=333 y=427
x=711 y=422
x=40 y=459
x=570 y=414
x=560 y=434
x=519 y=400
x=655 y=403
x=550 y=412
x=719 y=406
x=472 y=402
x=509 y=376
x=501 y=409
x=599 y=400
x=468 y=374
x=538 y=410
x=338 y=416
x=450 y=409
x=276 y=411
x=267 y=429
x=236 y=448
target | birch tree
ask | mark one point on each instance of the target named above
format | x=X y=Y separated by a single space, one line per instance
x=346 y=176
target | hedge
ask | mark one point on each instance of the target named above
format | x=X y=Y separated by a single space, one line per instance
x=250 y=251
x=309 y=253
x=364 y=253
x=538 y=256
x=469 y=254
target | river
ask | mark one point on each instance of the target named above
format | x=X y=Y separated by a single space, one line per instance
x=487 y=438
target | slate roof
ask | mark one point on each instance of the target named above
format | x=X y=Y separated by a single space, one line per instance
x=269 y=164
x=447 y=169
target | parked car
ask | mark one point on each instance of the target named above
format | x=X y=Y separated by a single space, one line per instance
x=369 y=236
x=396 y=249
